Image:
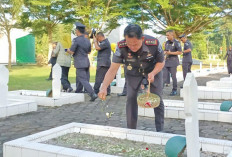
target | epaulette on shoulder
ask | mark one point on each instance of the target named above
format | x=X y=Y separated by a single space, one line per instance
x=122 y=44
x=151 y=42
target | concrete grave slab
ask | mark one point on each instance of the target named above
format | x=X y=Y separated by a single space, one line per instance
x=31 y=146
x=65 y=98
x=10 y=107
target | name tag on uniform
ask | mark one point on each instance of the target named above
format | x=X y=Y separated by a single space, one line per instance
x=131 y=59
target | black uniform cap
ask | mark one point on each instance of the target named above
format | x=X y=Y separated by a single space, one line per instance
x=79 y=25
x=181 y=36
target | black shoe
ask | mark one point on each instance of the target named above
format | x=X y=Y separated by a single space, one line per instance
x=181 y=86
x=108 y=94
x=121 y=94
x=173 y=93
x=93 y=97
x=70 y=89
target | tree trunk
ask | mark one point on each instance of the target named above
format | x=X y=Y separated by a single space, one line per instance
x=10 y=48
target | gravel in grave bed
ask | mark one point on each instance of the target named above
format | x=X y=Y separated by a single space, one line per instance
x=114 y=146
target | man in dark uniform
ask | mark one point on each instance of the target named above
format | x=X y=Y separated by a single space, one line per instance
x=143 y=57
x=52 y=60
x=229 y=60
x=187 y=56
x=102 y=44
x=172 y=50
x=80 y=49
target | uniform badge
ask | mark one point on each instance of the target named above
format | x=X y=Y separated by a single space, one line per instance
x=151 y=42
x=129 y=67
x=122 y=44
x=129 y=55
x=149 y=55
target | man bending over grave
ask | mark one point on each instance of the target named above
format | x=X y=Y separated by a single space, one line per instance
x=144 y=57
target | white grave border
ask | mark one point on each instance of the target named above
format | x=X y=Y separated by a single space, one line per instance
x=26 y=146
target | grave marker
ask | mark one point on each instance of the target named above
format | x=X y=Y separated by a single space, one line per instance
x=191 y=116
x=4 y=79
x=56 y=82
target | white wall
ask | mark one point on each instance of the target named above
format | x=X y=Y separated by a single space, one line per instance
x=4 y=51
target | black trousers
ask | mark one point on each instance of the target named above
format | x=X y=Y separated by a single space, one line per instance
x=64 y=77
x=100 y=74
x=229 y=66
x=82 y=80
x=171 y=70
x=133 y=85
x=186 y=67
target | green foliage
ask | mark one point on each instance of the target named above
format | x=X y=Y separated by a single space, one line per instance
x=9 y=11
x=44 y=15
x=224 y=47
x=187 y=17
x=98 y=14
x=41 y=49
x=199 y=46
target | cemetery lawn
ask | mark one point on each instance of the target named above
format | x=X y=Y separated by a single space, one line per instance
x=32 y=77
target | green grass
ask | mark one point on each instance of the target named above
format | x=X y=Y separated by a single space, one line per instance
x=33 y=77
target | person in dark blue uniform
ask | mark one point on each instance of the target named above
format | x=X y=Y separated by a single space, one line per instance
x=187 y=56
x=229 y=60
x=172 y=50
x=144 y=57
x=102 y=44
x=80 y=49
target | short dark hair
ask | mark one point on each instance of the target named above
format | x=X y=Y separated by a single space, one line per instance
x=81 y=29
x=133 y=31
x=101 y=34
x=170 y=31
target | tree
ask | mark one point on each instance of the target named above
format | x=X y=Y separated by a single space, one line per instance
x=103 y=15
x=187 y=17
x=44 y=15
x=9 y=11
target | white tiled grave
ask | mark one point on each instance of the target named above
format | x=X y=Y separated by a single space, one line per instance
x=219 y=84
x=212 y=93
x=175 y=109
x=226 y=78
x=65 y=98
x=17 y=106
x=30 y=145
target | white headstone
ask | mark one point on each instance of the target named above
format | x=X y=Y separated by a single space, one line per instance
x=211 y=67
x=118 y=77
x=191 y=114
x=56 y=82
x=200 y=66
x=4 y=79
x=217 y=65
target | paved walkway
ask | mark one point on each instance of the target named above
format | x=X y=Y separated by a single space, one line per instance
x=90 y=112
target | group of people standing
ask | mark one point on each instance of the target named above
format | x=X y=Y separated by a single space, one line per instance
x=80 y=49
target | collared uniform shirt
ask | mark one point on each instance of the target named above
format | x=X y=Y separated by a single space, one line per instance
x=104 y=55
x=187 y=57
x=173 y=46
x=81 y=48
